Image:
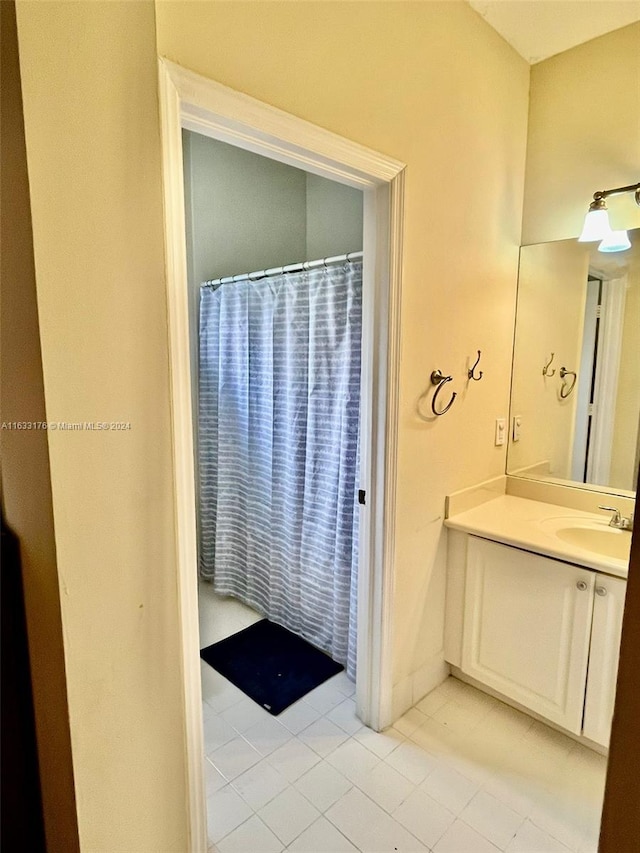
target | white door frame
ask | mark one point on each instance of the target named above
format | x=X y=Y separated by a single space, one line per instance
x=197 y=103
x=614 y=294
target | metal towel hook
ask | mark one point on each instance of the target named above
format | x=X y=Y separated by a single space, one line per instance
x=437 y=378
x=565 y=389
x=471 y=373
x=545 y=369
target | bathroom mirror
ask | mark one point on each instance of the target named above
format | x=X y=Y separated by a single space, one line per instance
x=575 y=393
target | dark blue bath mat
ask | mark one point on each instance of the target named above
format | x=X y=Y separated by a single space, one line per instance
x=271 y=665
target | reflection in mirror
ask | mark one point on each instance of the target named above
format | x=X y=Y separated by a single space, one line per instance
x=575 y=395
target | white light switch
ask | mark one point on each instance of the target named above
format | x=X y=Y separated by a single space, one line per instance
x=517 y=423
x=501 y=428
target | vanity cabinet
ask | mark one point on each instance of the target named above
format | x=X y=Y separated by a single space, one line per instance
x=608 y=607
x=527 y=622
x=539 y=631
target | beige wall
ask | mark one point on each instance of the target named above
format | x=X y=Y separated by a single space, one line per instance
x=550 y=319
x=584 y=135
x=431 y=85
x=26 y=481
x=93 y=148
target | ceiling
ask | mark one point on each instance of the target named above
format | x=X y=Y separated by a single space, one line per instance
x=538 y=29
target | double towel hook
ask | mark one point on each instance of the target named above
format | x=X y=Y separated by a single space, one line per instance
x=472 y=373
x=437 y=378
x=545 y=369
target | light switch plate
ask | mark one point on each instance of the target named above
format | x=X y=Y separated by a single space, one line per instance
x=501 y=430
x=517 y=423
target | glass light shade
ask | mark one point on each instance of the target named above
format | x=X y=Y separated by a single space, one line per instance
x=615 y=241
x=596 y=226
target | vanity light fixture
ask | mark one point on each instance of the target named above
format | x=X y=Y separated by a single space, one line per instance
x=596 y=222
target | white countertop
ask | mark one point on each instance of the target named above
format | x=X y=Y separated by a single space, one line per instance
x=518 y=522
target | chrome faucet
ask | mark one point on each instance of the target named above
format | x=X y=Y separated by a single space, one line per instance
x=618 y=521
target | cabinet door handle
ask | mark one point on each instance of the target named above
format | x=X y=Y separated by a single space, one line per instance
x=601 y=590
x=581 y=585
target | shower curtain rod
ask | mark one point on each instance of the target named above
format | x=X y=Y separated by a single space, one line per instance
x=299 y=267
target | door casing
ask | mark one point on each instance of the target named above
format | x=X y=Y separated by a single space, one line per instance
x=190 y=101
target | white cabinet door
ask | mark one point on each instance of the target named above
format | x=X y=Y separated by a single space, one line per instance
x=526 y=629
x=608 y=606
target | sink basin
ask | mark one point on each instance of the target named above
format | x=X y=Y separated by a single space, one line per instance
x=594 y=536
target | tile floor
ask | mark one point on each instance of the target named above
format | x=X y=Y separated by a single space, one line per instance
x=459 y=773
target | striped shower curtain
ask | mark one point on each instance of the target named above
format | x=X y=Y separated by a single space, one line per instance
x=279 y=392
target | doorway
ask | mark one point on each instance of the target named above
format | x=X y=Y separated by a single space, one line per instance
x=197 y=104
x=598 y=374
x=275 y=366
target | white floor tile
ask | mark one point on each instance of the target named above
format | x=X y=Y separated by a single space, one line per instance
x=412 y=761
x=220 y=616
x=353 y=760
x=380 y=743
x=344 y=684
x=370 y=828
x=216 y=732
x=437 y=740
x=288 y=815
x=424 y=817
x=298 y=716
x=226 y=810
x=461 y=718
x=217 y=692
x=565 y=818
x=323 y=736
x=492 y=819
x=450 y=788
x=213 y=779
x=260 y=784
x=207 y=712
x=460 y=838
x=386 y=787
x=325 y=697
x=515 y=790
x=234 y=757
x=548 y=740
x=244 y=714
x=507 y=721
x=322 y=837
x=267 y=735
x=455 y=689
x=589 y=846
x=253 y=835
x=531 y=839
x=293 y=759
x=432 y=702
x=344 y=715
x=409 y=722
x=323 y=785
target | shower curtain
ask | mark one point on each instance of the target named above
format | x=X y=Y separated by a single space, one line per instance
x=279 y=409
